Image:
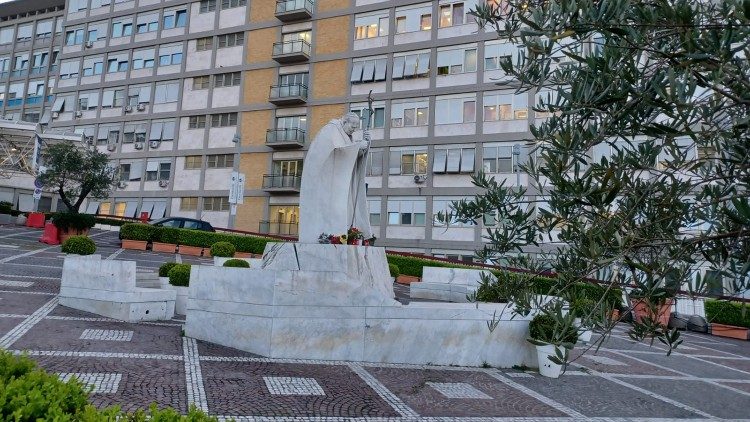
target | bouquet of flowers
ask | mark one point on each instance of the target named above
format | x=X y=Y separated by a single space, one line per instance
x=353 y=236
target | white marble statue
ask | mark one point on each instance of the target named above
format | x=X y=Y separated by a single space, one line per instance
x=332 y=196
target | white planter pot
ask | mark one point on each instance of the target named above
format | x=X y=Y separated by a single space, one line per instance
x=547 y=368
x=180 y=303
x=164 y=282
x=584 y=333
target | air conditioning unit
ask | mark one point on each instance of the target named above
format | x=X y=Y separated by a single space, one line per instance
x=55 y=115
x=141 y=107
x=79 y=114
x=138 y=145
x=163 y=183
x=154 y=144
x=420 y=178
x=89 y=44
x=128 y=108
x=111 y=147
x=122 y=185
x=90 y=140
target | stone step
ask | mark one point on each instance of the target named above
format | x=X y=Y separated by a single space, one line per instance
x=147 y=279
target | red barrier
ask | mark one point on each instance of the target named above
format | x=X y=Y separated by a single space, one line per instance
x=35 y=219
x=50 y=235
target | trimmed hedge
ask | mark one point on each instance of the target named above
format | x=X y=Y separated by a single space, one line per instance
x=410 y=265
x=79 y=245
x=179 y=275
x=393 y=269
x=223 y=249
x=236 y=263
x=28 y=393
x=728 y=313
x=187 y=237
x=164 y=268
x=69 y=220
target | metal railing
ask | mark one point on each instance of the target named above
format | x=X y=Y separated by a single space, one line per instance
x=275 y=136
x=278 y=181
x=278 y=228
x=282 y=48
x=286 y=6
x=288 y=91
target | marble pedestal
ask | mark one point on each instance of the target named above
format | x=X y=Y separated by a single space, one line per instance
x=336 y=302
x=447 y=284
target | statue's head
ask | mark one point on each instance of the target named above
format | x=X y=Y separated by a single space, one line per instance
x=350 y=122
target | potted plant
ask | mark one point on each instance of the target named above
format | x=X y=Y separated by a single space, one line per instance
x=179 y=280
x=583 y=309
x=190 y=242
x=655 y=304
x=136 y=236
x=79 y=245
x=222 y=252
x=165 y=239
x=729 y=319
x=393 y=269
x=164 y=273
x=553 y=337
x=236 y=263
x=72 y=224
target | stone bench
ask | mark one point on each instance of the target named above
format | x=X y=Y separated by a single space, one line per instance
x=447 y=284
x=108 y=288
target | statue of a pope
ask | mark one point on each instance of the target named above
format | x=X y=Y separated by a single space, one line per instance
x=332 y=196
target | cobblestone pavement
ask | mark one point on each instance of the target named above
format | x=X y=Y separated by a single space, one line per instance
x=134 y=365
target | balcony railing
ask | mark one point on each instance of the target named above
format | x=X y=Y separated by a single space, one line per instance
x=291 y=51
x=285 y=138
x=281 y=183
x=292 y=10
x=288 y=94
x=275 y=227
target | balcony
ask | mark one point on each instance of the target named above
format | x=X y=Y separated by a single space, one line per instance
x=294 y=10
x=278 y=228
x=288 y=94
x=285 y=138
x=280 y=183
x=291 y=51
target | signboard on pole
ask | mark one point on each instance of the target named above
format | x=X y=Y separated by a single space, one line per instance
x=241 y=188
x=37 y=194
x=233 y=187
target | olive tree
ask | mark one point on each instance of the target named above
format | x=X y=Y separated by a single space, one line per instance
x=642 y=158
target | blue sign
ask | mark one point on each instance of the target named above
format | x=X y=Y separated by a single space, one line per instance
x=38 y=183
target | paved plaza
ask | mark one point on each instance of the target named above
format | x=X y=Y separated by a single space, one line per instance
x=133 y=365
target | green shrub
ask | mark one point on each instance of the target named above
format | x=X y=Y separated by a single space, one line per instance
x=179 y=275
x=138 y=231
x=237 y=263
x=728 y=313
x=223 y=249
x=5 y=207
x=393 y=269
x=543 y=326
x=110 y=221
x=73 y=221
x=167 y=235
x=412 y=265
x=164 y=269
x=79 y=245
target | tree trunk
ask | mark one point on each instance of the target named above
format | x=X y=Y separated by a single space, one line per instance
x=66 y=201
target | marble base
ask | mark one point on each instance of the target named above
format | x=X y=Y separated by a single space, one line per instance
x=447 y=284
x=254 y=262
x=108 y=288
x=335 y=302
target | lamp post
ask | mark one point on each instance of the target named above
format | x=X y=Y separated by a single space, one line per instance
x=516 y=157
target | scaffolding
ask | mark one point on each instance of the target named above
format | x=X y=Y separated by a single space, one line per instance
x=21 y=146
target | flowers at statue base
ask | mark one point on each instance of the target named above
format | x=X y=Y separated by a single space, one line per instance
x=353 y=236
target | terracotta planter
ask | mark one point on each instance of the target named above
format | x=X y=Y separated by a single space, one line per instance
x=641 y=309
x=138 y=245
x=614 y=315
x=407 y=279
x=163 y=247
x=207 y=252
x=243 y=255
x=66 y=234
x=191 y=250
x=721 y=330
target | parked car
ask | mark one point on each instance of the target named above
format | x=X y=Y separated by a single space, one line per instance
x=184 y=223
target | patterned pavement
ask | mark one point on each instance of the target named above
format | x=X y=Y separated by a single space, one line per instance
x=133 y=365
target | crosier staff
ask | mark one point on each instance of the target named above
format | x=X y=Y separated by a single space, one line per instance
x=366 y=138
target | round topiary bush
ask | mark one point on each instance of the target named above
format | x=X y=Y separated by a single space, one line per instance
x=237 y=263
x=179 y=275
x=164 y=269
x=545 y=329
x=223 y=249
x=79 y=245
x=393 y=268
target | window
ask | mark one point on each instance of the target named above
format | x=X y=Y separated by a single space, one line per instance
x=205 y=43
x=452 y=15
x=411 y=65
x=369 y=70
x=227 y=79
x=375 y=163
x=207 y=6
x=406 y=211
x=371 y=26
x=166 y=92
x=414 y=18
x=6 y=35
x=162 y=130
x=174 y=18
x=409 y=114
x=134 y=132
x=201 y=82
x=196 y=122
x=122 y=28
x=505 y=107
x=189 y=203
x=228 y=4
x=39 y=62
x=108 y=134
x=547 y=98
x=147 y=23
x=139 y=95
x=124 y=172
x=24 y=32
x=220 y=161
x=453 y=110
x=499 y=159
x=231 y=40
x=74 y=36
x=117 y=63
x=224 y=119
x=193 y=162
x=143 y=59
x=425 y=22
x=170 y=55
x=158 y=171
x=113 y=98
x=374 y=206
x=69 y=70
x=378 y=121
x=451 y=62
x=216 y=203
x=496 y=52
x=77 y=5
x=453 y=160
x=44 y=29
x=88 y=100
x=443 y=204
x=408 y=161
